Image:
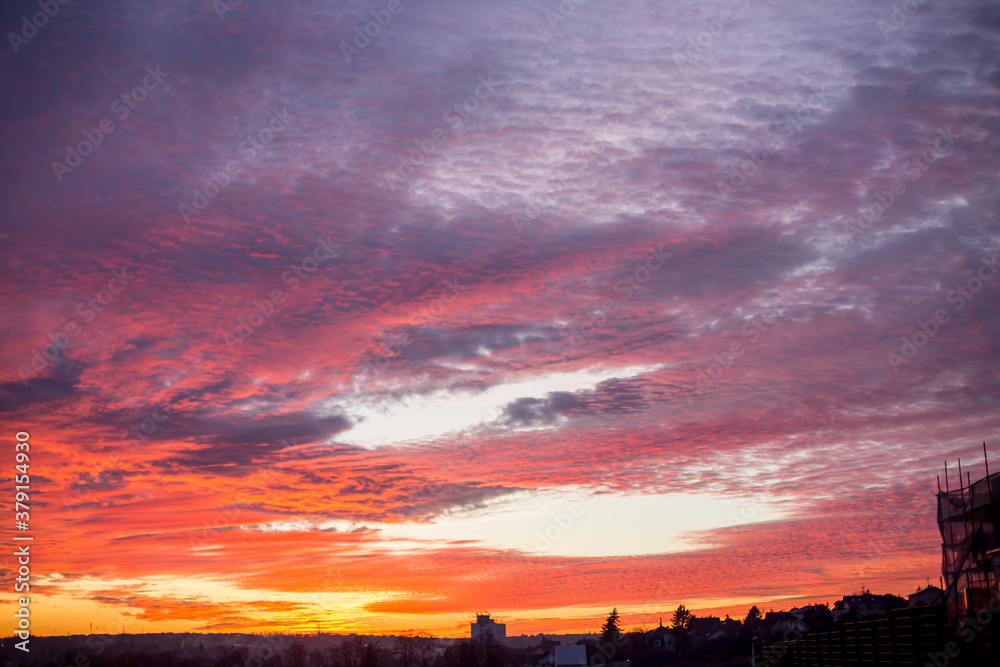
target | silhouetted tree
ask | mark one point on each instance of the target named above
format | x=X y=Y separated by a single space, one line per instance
x=488 y=651
x=233 y=657
x=372 y=655
x=425 y=649
x=637 y=638
x=462 y=655
x=682 y=618
x=351 y=651
x=752 y=625
x=295 y=655
x=406 y=649
x=683 y=639
x=634 y=648
x=819 y=618
x=317 y=659
x=611 y=628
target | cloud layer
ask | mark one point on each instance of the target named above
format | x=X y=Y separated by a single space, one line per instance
x=303 y=295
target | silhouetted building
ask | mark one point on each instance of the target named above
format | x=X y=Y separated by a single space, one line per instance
x=702 y=626
x=661 y=638
x=866 y=605
x=779 y=624
x=970 y=562
x=926 y=596
x=543 y=653
x=485 y=627
x=570 y=654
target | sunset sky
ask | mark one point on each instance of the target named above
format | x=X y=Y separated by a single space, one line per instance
x=534 y=307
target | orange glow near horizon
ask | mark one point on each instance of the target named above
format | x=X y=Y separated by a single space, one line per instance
x=500 y=312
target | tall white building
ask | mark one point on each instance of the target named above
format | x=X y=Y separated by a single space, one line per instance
x=487 y=627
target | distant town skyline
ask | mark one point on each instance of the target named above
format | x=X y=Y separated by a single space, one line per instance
x=365 y=316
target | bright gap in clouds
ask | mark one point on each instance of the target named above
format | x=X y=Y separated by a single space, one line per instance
x=433 y=415
x=582 y=525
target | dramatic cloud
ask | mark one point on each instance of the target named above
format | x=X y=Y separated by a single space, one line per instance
x=544 y=308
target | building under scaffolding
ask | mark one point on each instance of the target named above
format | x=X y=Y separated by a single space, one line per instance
x=963 y=632
x=968 y=518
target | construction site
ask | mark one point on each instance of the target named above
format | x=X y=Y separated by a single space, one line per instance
x=959 y=625
x=970 y=550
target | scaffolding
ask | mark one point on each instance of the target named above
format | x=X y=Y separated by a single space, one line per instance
x=968 y=519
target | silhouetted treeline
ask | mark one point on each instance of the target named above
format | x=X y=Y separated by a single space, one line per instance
x=688 y=640
x=259 y=651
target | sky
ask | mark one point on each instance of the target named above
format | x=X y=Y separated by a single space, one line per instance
x=370 y=315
